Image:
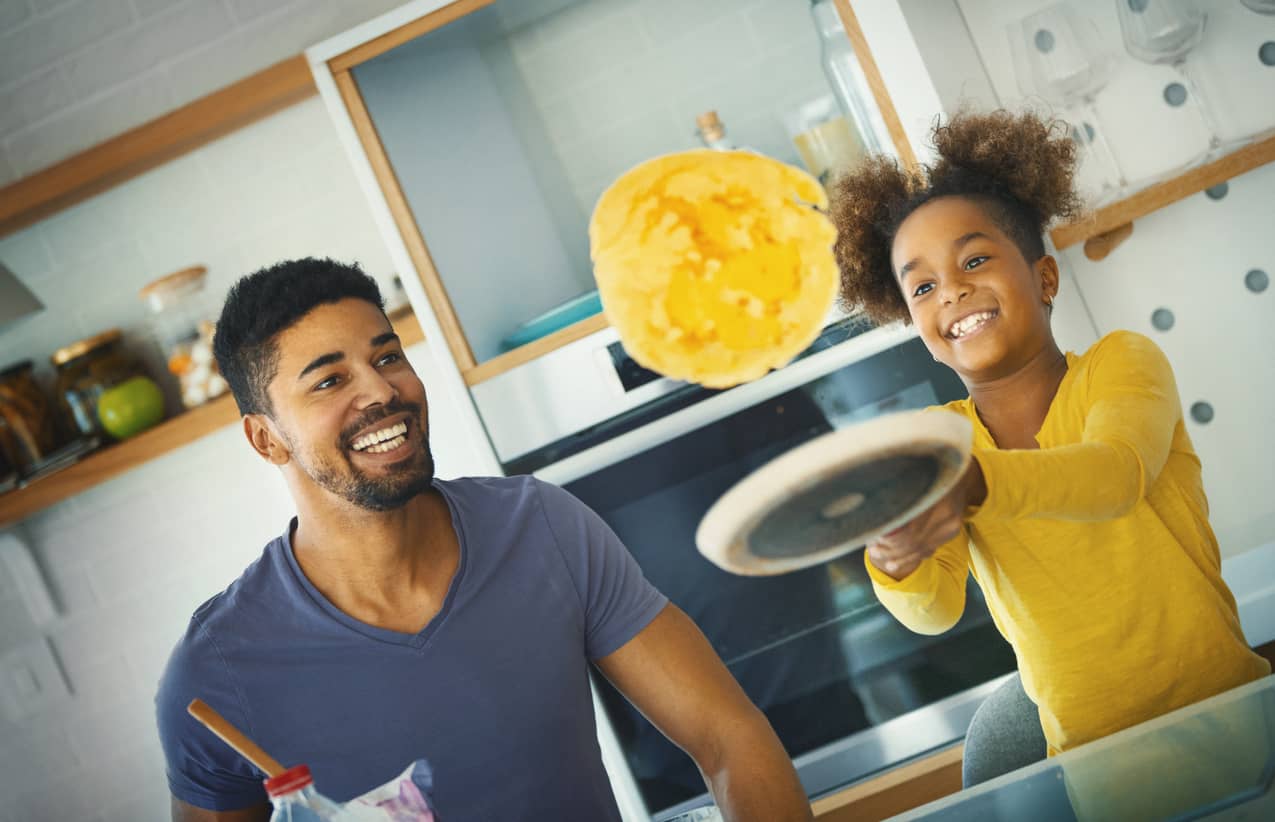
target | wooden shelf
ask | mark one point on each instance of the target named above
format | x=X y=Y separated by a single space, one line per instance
x=1109 y=218
x=141 y=149
x=536 y=348
x=129 y=454
x=896 y=791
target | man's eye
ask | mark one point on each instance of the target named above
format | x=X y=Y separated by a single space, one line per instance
x=922 y=289
x=327 y=383
x=975 y=262
x=389 y=359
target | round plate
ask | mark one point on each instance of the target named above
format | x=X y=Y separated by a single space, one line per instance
x=836 y=493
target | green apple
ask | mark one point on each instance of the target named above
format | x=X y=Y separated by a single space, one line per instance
x=130 y=407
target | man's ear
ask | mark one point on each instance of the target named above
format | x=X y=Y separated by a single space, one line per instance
x=265 y=439
x=1047 y=271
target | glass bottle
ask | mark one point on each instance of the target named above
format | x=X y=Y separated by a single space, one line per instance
x=295 y=799
x=845 y=75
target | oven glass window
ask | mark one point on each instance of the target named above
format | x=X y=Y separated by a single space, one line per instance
x=813 y=649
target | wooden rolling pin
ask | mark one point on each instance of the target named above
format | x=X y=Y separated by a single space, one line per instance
x=234 y=737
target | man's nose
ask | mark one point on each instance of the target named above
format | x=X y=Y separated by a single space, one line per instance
x=374 y=389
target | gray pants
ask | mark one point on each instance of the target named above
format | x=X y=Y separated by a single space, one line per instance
x=1004 y=735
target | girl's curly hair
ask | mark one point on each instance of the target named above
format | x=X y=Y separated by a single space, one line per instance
x=1019 y=167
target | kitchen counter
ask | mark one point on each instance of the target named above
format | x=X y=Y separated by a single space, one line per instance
x=1212 y=760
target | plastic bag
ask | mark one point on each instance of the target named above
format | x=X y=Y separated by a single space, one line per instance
x=405 y=798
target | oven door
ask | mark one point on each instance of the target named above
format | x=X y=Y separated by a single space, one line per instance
x=845 y=686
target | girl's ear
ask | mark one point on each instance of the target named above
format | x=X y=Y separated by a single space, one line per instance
x=1047 y=273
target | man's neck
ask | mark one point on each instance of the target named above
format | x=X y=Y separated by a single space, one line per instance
x=391 y=569
x=1014 y=407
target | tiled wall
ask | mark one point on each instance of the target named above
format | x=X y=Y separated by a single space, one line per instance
x=75 y=72
x=619 y=81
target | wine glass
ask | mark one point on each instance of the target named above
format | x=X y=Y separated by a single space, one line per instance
x=1260 y=6
x=1056 y=56
x=1163 y=32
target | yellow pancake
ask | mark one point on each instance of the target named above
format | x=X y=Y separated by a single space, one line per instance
x=712 y=265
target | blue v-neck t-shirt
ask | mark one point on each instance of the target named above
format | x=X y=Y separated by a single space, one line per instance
x=494 y=692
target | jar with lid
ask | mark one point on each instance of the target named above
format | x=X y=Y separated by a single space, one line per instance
x=101 y=388
x=28 y=422
x=180 y=325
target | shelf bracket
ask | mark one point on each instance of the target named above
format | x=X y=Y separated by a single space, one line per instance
x=1099 y=246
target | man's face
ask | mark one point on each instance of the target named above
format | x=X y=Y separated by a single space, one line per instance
x=349 y=407
x=978 y=305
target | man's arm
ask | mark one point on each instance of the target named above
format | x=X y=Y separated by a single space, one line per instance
x=673 y=676
x=183 y=812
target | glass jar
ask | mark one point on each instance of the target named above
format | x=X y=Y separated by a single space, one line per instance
x=30 y=428
x=179 y=323
x=104 y=390
x=826 y=142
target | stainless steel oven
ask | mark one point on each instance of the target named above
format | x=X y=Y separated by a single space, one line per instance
x=849 y=690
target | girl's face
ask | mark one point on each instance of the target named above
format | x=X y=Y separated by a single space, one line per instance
x=980 y=307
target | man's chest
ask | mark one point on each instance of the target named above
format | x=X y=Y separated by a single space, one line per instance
x=483 y=685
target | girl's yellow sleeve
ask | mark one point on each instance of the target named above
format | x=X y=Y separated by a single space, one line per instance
x=1132 y=410
x=931 y=599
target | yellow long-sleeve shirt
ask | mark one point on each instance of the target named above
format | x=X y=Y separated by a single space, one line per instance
x=1094 y=553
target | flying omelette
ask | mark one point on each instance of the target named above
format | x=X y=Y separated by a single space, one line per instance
x=714 y=266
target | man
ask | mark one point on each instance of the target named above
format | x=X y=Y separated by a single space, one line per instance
x=402 y=617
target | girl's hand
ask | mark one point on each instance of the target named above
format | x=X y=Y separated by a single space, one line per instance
x=901 y=551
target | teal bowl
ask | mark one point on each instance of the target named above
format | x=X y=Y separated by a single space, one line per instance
x=558 y=317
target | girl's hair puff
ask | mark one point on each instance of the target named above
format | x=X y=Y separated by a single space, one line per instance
x=1018 y=167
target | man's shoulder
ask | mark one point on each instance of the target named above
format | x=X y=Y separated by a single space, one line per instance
x=237 y=607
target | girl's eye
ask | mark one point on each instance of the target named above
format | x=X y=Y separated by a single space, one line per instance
x=922 y=289
x=389 y=359
x=974 y=262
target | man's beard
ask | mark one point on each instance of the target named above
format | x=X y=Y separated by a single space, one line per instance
x=391 y=490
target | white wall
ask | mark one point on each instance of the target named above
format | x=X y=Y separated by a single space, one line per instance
x=75 y=72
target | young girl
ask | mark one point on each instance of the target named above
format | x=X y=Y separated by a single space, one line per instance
x=1082 y=515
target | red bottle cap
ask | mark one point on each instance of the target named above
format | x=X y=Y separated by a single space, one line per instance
x=293 y=779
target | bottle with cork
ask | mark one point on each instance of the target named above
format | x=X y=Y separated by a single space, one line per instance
x=712 y=133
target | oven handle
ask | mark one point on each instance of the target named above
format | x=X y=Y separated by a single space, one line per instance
x=726 y=403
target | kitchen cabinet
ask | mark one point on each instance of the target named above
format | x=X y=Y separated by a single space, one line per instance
x=488 y=130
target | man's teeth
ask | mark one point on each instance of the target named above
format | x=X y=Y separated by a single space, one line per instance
x=386 y=439
x=968 y=324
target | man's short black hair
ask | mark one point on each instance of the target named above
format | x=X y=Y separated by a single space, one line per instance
x=263 y=304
